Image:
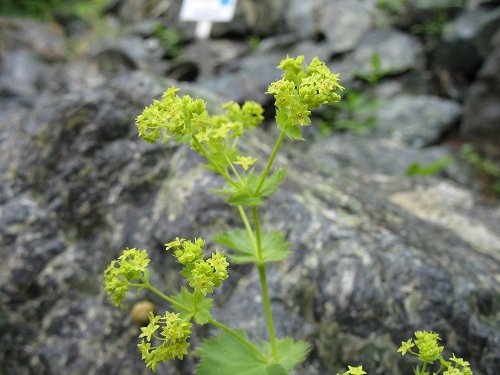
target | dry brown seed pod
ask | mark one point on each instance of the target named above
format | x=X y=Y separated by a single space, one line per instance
x=140 y=311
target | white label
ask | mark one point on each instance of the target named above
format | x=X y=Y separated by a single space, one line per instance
x=208 y=10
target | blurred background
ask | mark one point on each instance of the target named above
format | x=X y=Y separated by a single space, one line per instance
x=391 y=204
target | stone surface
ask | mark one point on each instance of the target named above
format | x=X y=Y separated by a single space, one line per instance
x=375 y=255
x=482 y=112
x=344 y=23
x=398 y=52
x=249 y=79
x=382 y=156
x=467 y=40
x=418 y=120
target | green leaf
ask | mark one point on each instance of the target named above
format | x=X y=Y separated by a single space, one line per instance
x=244 y=199
x=246 y=196
x=271 y=183
x=290 y=353
x=197 y=306
x=226 y=355
x=294 y=132
x=275 y=369
x=274 y=246
x=428 y=170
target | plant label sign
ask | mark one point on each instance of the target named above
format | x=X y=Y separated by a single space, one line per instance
x=208 y=10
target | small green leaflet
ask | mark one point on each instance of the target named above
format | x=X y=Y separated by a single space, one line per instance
x=246 y=195
x=226 y=355
x=198 y=306
x=274 y=246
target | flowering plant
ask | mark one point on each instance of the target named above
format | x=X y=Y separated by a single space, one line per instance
x=216 y=137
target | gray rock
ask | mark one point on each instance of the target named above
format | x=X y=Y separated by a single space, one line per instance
x=115 y=56
x=467 y=41
x=20 y=74
x=381 y=156
x=398 y=52
x=482 y=111
x=250 y=80
x=300 y=18
x=417 y=120
x=46 y=39
x=344 y=23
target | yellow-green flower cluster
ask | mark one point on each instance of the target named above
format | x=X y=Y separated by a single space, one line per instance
x=428 y=347
x=130 y=267
x=429 y=351
x=202 y=274
x=354 y=371
x=186 y=120
x=457 y=366
x=171 y=331
x=301 y=90
x=173 y=116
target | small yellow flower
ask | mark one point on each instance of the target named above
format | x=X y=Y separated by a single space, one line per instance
x=245 y=161
x=356 y=370
x=174 y=244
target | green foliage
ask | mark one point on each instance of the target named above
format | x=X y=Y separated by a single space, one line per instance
x=194 y=306
x=429 y=353
x=253 y=42
x=226 y=355
x=34 y=8
x=417 y=169
x=432 y=26
x=274 y=246
x=376 y=72
x=247 y=192
x=169 y=39
x=393 y=7
x=485 y=167
x=356 y=112
x=48 y=8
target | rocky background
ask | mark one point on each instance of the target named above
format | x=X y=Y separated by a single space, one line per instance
x=377 y=253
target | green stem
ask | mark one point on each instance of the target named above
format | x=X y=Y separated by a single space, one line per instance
x=216 y=167
x=249 y=230
x=233 y=168
x=263 y=283
x=240 y=338
x=166 y=298
x=270 y=162
x=256 y=224
x=267 y=309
